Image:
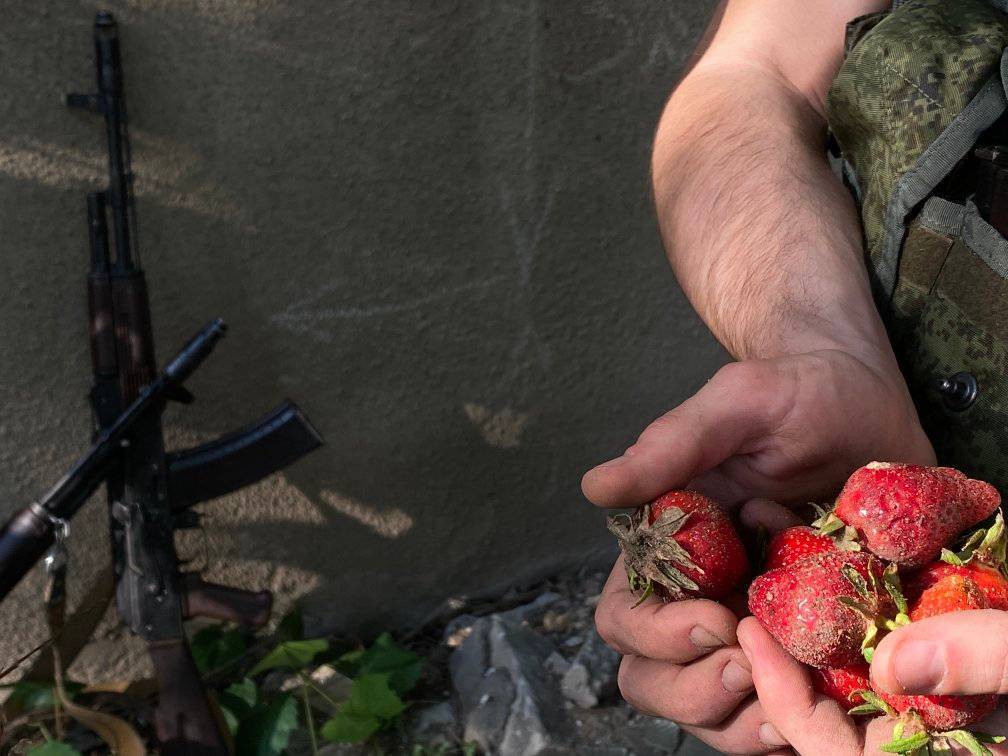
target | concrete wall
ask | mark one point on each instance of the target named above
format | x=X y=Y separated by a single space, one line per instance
x=428 y=222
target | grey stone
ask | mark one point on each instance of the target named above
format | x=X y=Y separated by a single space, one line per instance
x=435 y=724
x=652 y=734
x=510 y=703
x=487 y=715
x=591 y=677
x=458 y=629
x=532 y=610
x=691 y=746
x=557 y=665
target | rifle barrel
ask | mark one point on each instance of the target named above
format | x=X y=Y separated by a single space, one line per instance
x=112 y=104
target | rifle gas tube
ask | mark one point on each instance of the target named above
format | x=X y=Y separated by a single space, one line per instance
x=150 y=491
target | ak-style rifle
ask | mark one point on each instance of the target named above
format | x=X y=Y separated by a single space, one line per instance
x=150 y=491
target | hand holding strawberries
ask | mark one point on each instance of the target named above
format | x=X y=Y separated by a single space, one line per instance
x=781 y=429
x=943 y=670
x=939 y=673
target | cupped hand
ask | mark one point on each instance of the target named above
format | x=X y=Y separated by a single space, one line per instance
x=971 y=649
x=790 y=429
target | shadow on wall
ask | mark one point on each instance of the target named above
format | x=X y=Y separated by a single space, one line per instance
x=427 y=223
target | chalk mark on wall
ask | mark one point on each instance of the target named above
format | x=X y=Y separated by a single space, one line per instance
x=308 y=317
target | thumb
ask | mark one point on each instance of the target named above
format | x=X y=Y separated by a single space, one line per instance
x=732 y=410
x=963 y=652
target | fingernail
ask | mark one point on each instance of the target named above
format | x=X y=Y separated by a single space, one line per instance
x=735 y=678
x=704 y=638
x=919 y=666
x=768 y=734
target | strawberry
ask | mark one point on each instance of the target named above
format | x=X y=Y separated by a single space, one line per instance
x=906 y=513
x=825 y=609
x=843 y=684
x=794 y=544
x=982 y=559
x=979 y=586
x=952 y=593
x=940 y=714
x=681 y=545
x=934 y=719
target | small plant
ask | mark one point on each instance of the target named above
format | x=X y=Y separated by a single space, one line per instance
x=265 y=712
x=51 y=747
x=263 y=722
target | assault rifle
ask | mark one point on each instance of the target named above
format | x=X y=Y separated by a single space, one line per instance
x=150 y=491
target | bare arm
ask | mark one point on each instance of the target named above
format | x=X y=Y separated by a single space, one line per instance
x=763 y=238
x=766 y=244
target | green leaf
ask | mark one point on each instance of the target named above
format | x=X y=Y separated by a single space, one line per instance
x=385 y=656
x=295 y=655
x=951 y=558
x=891 y=580
x=969 y=741
x=267 y=729
x=906 y=745
x=864 y=709
x=217 y=647
x=983 y=737
x=371 y=706
x=828 y=523
x=350 y=727
x=648 y=590
x=373 y=693
x=53 y=748
x=236 y=702
x=872 y=699
x=35 y=695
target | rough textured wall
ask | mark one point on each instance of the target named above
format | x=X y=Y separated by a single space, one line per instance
x=428 y=222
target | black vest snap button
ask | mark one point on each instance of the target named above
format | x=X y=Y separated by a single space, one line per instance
x=958 y=391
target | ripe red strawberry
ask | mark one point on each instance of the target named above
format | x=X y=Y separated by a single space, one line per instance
x=794 y=544
x=981 y=559
x=991 y=583
x=940 y=714
x=823 y=608
x=842 y=684
x=929 y=718
x=985 y=580
x=681 y=545
x=951 y=593
x=906 y=513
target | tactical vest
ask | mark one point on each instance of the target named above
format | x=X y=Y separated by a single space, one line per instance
x=922 y=87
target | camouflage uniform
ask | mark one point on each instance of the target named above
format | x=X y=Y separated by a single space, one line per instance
x=918 y=86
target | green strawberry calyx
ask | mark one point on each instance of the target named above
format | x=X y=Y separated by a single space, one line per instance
x=910 y=737
x=828 y=524
x=866 y=604
x=651 y=554
x=985 y=545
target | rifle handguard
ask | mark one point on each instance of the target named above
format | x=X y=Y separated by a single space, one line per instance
x=221 y=602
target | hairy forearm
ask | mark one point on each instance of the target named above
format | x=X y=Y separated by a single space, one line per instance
x=763 y=238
